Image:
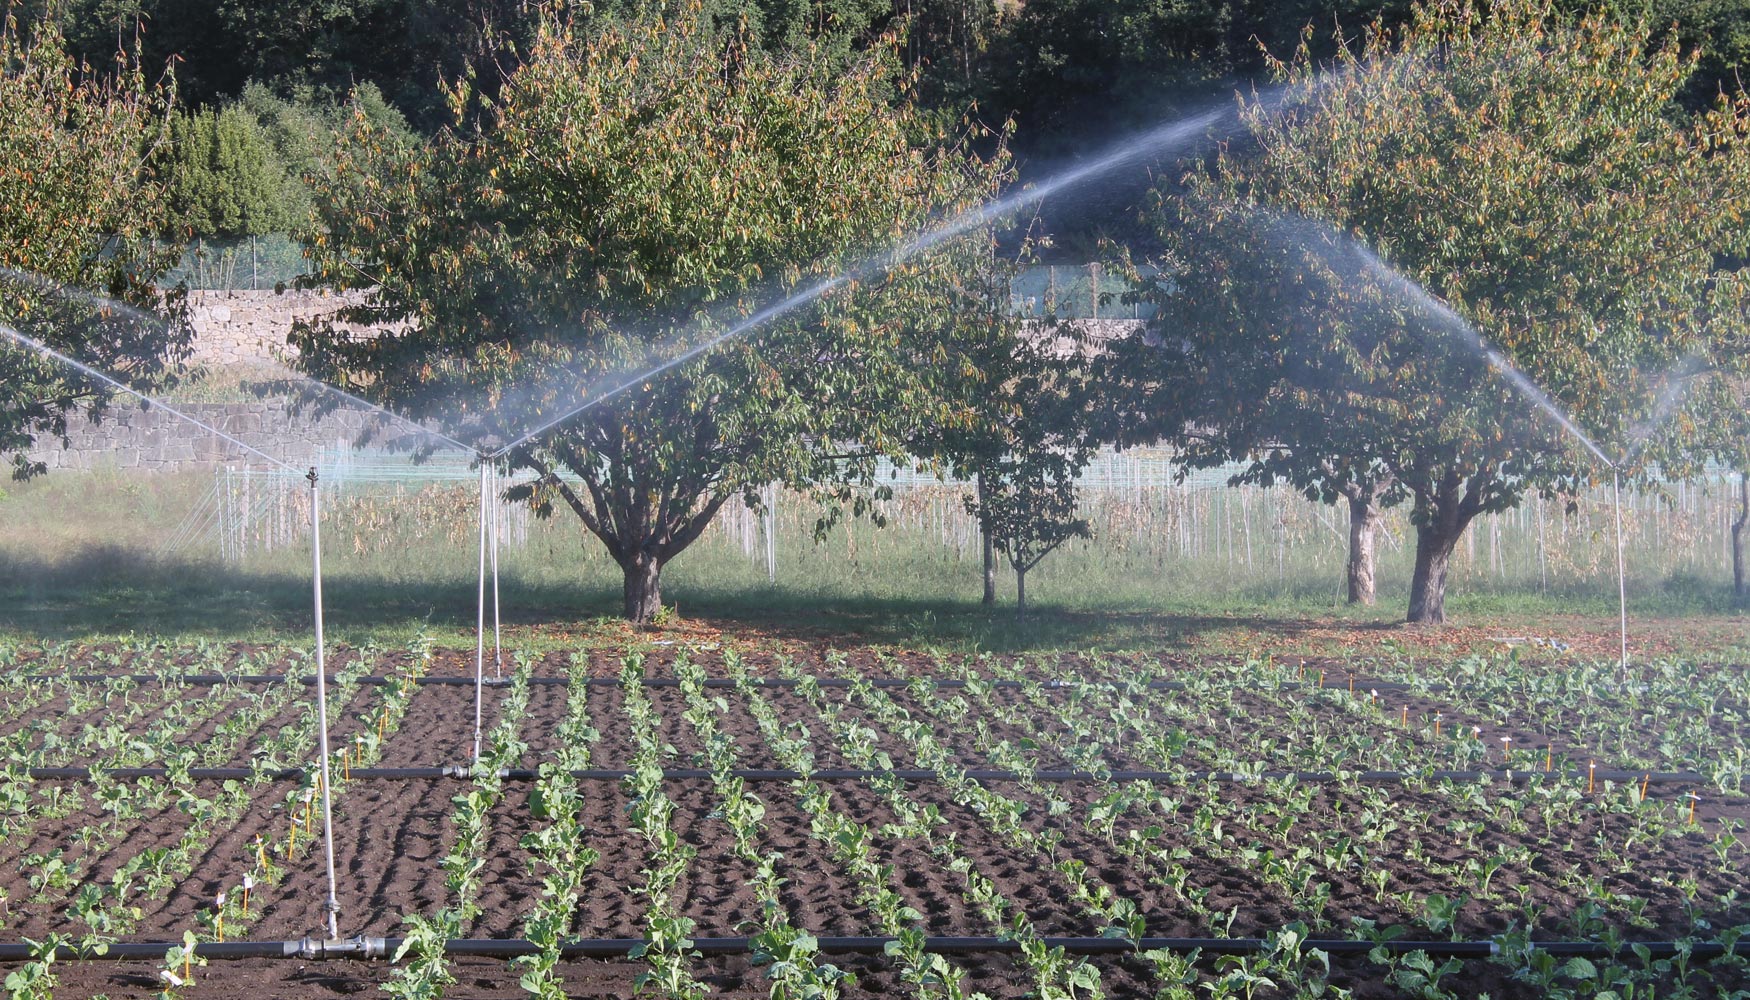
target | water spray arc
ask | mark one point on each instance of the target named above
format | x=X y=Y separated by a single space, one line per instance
x=32 y=343
x=1521 y=383
x=1157 y=142
x=331 y=905
x=311 y=388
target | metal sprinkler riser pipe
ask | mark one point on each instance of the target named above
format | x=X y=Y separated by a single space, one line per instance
x=331 y=905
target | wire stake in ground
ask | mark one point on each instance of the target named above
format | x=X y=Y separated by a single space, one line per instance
x=333 y=906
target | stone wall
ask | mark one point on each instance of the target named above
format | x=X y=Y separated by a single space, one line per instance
x=247 y=329
x=250 y=327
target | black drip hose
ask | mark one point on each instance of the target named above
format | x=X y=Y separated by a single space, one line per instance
x=459 y=680
x=377 y=947
x=463 y=771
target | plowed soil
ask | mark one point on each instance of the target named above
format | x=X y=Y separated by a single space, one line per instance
x=391 y=836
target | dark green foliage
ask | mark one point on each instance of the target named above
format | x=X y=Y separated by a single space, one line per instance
x=225 y=176
x=1523 y=167
x=635 y=192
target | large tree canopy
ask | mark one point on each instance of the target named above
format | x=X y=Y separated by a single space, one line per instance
x=1530 y=172
x=636 y=191
x=81 y=211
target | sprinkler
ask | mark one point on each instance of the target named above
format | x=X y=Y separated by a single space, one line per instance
x=332 y=904
x=1621 y=580
x=1174 y=135
x=480 y=617
x=497 y=644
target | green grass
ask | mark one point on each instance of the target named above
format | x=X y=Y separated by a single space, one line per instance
x=79 y=560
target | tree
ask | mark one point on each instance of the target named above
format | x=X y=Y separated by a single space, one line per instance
x=1026 y=499
x=1726 y=440
x=1031 y=436
x=225 y=176
x=82 y=211
x=1534 y=189
x=635 y=192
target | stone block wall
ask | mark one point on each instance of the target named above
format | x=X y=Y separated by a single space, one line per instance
x=250 y=327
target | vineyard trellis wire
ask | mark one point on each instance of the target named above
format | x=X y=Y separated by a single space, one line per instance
x=1142 y=512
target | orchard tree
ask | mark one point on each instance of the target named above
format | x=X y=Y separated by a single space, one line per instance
x=635 y=192
x=1031 y=435
x=1730 y=447
x=1536 y=194
x=1026 y=500
x=82 y=208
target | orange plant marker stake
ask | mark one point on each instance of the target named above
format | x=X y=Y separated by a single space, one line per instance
x=1646 y=779
x=1591 y=776
x=1693 y=799
x=1406 y=722
x=1549 y=758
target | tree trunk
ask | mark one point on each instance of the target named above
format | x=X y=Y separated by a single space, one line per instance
x=1434 y=545
x=1020 y=593
x=643 y=586
x=990 y=550
x=1741 y=529
x=1364 y=521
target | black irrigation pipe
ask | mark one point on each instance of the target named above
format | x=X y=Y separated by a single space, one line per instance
x=460 y=680
x=464 y=772
x=383 y=947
